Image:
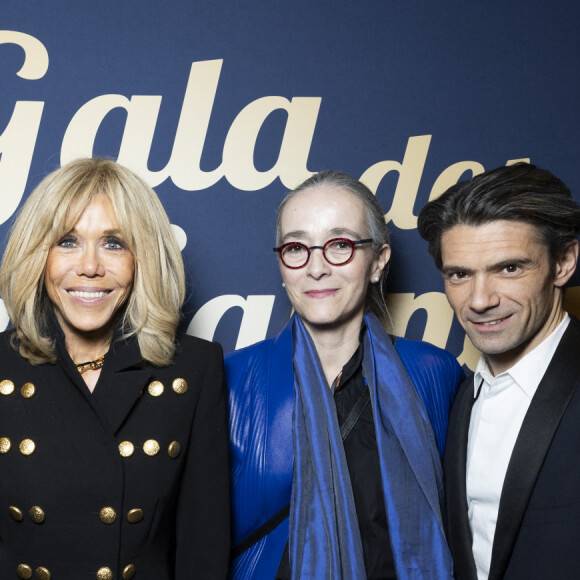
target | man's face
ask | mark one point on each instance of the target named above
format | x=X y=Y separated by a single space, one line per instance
x=498 y=282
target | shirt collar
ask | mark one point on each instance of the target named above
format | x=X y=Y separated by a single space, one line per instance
x=352 y=366
x=527 y=372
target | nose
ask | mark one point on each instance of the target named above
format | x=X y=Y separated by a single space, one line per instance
x=90 y=263
x=317 y=266
x=484 y=294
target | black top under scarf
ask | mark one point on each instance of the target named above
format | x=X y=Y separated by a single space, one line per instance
x=362 y=458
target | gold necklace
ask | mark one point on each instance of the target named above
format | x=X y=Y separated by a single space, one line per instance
x=90 y=365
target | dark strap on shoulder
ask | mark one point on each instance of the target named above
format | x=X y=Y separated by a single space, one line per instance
x=280 y=516
x=261 y=532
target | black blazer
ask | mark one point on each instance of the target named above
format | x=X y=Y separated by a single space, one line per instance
x=131 y=480
x=538 y=528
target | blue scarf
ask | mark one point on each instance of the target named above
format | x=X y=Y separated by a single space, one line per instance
x=325 y=542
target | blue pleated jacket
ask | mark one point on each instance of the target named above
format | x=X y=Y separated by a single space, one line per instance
x=261 y=397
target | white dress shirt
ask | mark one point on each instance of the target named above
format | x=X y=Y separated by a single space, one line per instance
x=496 y=419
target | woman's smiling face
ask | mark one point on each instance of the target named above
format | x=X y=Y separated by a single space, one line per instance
x=89 y=273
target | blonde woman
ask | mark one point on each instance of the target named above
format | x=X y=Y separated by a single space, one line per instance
x=113 y=442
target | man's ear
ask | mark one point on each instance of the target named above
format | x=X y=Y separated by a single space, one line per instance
x=566 y=264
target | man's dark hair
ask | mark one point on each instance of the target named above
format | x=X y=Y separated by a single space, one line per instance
x=519 y=192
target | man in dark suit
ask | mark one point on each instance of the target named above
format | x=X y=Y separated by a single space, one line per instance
x=506 y=243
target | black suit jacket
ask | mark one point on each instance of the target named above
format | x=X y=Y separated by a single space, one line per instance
x=154 y=456
x=538 y=528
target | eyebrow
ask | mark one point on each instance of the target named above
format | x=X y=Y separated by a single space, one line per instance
x=334 y=232
x=113 y=232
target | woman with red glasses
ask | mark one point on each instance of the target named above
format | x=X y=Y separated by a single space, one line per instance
x=337 y=428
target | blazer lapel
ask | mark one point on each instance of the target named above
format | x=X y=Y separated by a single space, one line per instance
x=122 y=378
x=121 y=382
x=454 y=464
x=540 y=424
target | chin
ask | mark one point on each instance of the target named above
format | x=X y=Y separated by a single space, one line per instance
x=326 y=323
x=492 y=348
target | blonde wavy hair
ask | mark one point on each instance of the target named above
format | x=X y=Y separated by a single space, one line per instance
x=152 y=310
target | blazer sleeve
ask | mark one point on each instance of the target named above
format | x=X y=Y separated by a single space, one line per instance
x=203 y=511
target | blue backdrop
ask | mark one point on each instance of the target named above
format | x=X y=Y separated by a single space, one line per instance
x=224 y=106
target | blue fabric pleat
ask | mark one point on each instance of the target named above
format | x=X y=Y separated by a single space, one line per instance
x=325 y=540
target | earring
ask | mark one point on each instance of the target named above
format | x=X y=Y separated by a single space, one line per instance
x=283 y=285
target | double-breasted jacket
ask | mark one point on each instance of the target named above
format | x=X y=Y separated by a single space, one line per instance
x=130 y=481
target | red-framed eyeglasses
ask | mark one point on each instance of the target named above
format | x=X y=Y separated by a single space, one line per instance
x=337 y=251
